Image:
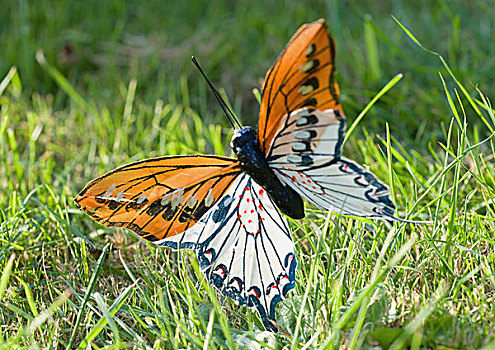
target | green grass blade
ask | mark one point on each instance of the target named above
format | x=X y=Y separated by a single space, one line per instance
x=6 y=81
x=7 y=271
x=62 y=81
x=312 y=272
x=108 y=317
x=419 y=320
x=370 y=104
x=89 y=289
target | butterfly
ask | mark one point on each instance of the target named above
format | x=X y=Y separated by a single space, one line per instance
x=229 y=211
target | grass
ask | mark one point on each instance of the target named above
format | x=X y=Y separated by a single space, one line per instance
x=103 y=84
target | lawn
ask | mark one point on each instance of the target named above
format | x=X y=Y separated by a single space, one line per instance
x=89 y=86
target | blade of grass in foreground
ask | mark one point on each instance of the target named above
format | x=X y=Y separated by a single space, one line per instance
x=420 y=318
x=62 y=81
x=8 y=78
x=6 y=275
x=106 y=314
x=312 y=272
x=224 y=323
x=365 y=303
x=444 y=63
x=45 y=314
x=368 y=290
x=361 y=115
x=89 y=289
x=39 y=320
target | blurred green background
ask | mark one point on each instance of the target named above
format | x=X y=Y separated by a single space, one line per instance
x=99 y=84
x=99 y=46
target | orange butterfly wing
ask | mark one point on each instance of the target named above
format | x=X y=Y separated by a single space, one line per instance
x=160 y=197
x=302 y=76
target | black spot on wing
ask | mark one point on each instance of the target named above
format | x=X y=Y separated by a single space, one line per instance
x=312 y=82
x=112 y=204
x=149 y=237
x=201 y=210
x=168 y=213
x=310 y=50
x=135 y=228
x=309 y=102
x=222 y=210
x=134 y=205
x=305 y=134
x=186 y=214
x=311 y=66
x=155 y=208
x=301 y=147
x=307 y=120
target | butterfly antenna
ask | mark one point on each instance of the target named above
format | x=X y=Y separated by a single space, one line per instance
x=228 y=112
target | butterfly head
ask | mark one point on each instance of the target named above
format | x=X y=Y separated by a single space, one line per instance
x=243 y=138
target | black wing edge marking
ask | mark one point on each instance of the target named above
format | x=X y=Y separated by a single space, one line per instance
x=377 y=186
x=282 y=132
x=384 y=207
x=157 y=159
x=206 y=256
x=272 y=71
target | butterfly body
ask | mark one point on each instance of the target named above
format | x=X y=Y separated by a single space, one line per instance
x=252 y=160
x=229 y=210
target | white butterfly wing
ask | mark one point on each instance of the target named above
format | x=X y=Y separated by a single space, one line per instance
x=305 y=154
x=244 y=248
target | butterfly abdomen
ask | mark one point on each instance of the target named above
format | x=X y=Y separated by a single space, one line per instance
x=246 y=147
